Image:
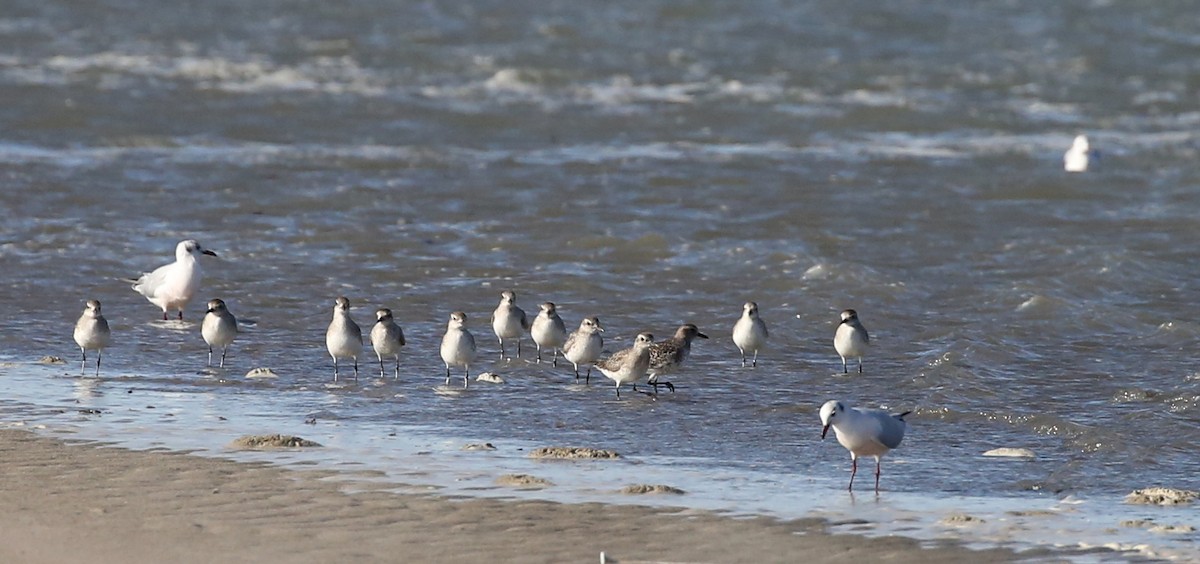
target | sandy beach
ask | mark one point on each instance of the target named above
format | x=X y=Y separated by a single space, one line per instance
x=83 y=502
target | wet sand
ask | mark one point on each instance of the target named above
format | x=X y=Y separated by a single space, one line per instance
x=81 y=502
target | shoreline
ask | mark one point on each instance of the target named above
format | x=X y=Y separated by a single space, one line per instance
x=109 y=504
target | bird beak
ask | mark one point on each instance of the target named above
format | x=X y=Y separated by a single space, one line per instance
x=824 y=430
x=702 y=335
x=208 y=252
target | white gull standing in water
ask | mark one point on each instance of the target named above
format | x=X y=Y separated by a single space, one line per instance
x=864 y=432
x=171 y=286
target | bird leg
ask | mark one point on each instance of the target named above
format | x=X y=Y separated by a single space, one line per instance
x=588 y=380
x=397 y=367
x=501 y=348
x=447 y=374
x=876 y=475
x=381 y=373
x=844 y=369
x=335 y=369
x=556 y=358
x=210 y=357
x=99 y=353
x=83 y=364
x=755 y=362
x=853 y=471
x=356 y=369
x=466 y=375
x=743 y=351
x=860 y=365
x=223 y=351
x=181 y=315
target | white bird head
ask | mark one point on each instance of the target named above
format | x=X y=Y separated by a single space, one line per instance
x=829 y=413
x=849 y=314
x=383 y=314
x=92 y=308
x=750 y=309
x=591 y=324
x=341 y=304
x=549 y=308
x=458 y=320
x=1080 y=144
x=643 y=340
x=191 y=247
x=508 y=297
x=216 y=306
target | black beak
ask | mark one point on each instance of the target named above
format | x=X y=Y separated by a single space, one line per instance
x=824 y=430
x=208 y=252
x=702 y=335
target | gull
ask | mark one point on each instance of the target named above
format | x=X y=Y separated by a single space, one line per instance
x=750 y=332
x=91 y=333
x=864 y=432
x=219 y=329
x=343 y=338
x=548 y=330
x=1077 y=158
x=509 y=321
x=584 y=346
x=386 y=338
x=171 y=286
x=667 y=356
x=629 y=364
x=458 y=346
x=851 y=339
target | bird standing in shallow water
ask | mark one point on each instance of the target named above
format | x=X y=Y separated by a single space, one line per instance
x=628 y=364
x=851 y=339
x=864 y=432
x=171 y=286
x=386 y=338
x=584 y=346
x=219 y=329
x=668 y=356
x=343 y=338
x=548 y=330
x=750 y=332
x=509 y=321
x=91 y=333
x=458 y=346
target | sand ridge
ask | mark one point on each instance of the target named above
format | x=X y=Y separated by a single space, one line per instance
x=80 y=502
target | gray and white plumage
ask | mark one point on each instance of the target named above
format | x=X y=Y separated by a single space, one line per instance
x=386 y=338
x=667 y=356
x=548 y=330
x=584 y=345
x=628 y=364
x=864 y=432
x=458 y=346
x=91 y=333
x=851 y=339
x=172 y=286
x=343 y=338
x=509 y=321
x=750 y=332
x=219 y=329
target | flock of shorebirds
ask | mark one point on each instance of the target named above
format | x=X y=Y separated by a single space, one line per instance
x=171 y=287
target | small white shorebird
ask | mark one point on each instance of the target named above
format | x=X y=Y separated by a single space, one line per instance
x=509 y=321
x=343 y=338
x=584 y=346
x=864 y=432
x=171 y=286
x=1077 y=158
x=458 y=346
x=548 y=330
x=851 y=339
x=219 y=329
x=668 y=356
x=628 y=364
x=91 y=333
x=386 y=338
x=750 y=332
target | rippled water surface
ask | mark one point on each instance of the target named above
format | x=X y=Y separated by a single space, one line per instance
x=651 y=163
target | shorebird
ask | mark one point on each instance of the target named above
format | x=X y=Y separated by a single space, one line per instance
x=584 y=346
x=548 y=330
x=667 y=356
x=750 y=332
x=219 y=329
x=509 y=321
x=343 y=338
x=91 y=333
x=628 y=364
x=864 y=432
x=458 y=346
x=171 y=286
x=851 y=339
x=1077 y=158
x=386 y=338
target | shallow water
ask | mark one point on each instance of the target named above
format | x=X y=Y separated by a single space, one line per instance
x=652 y=164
